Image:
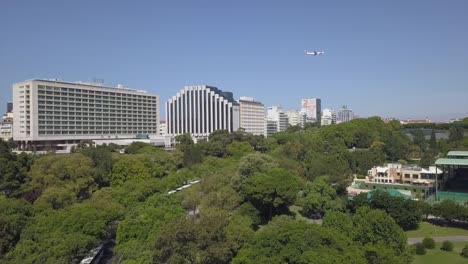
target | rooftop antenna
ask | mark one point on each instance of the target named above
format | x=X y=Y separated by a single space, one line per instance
x=98 y=81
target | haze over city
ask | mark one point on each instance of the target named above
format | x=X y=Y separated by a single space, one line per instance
x=393 y=59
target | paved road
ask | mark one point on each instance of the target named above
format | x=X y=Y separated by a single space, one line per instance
x=414 y=240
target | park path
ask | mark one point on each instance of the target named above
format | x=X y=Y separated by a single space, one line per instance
x=414 y=240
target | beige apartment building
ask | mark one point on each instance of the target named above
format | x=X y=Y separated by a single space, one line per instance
x=402 y=174
x=252 y=116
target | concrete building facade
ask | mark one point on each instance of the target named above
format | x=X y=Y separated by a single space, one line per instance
x=6 y=131
x=276 y=120
x=162 y=128
x=402 y=174
x=296 y=118
x=328 y=117
x=312 y=107
x=344 y=115
x=200 y=110
x=252 y=116
x=52 y=114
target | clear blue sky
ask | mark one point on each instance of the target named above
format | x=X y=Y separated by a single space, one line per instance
x=388 y=58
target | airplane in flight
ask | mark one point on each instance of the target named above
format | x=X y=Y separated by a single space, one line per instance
x=315 y=53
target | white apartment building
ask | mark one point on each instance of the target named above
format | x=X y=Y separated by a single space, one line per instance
x=200 y=110
x=276 y=120
x=6 y=131
x=344 y=115
x=328 y=117
x=52 y=114
x=162 y=128
x=252 y=116
x=296 y=118
x=312 y=107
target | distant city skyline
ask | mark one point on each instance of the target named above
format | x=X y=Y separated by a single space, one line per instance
x=392 y=59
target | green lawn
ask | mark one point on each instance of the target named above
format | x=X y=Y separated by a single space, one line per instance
x=436 y=256
x=429 y=230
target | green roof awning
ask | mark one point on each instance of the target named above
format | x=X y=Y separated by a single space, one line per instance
x=457 y=153
x=459 y=162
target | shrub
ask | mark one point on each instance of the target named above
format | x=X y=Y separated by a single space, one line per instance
x=447 y=246
x=428 y=243
x=420 y=249
x=464 y=252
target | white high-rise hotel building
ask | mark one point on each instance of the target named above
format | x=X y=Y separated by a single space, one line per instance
x=200 y=110
x=53 y=113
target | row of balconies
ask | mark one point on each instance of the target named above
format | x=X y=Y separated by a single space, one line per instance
x=120 y=132
x=65 y=97
x=50 y=89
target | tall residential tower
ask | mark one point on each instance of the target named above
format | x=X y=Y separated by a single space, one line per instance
x=312 y=107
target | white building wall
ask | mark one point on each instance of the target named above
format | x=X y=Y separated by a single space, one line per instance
x=207 y=110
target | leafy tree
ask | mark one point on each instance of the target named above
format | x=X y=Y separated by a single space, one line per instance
x=13 y=218
x=138 y=231
x=102 y=162
x=138 y=147
x=66 y=235
x=464 y=252
x=192 y=155
x=13 y=169
x=339 y=221
x=381 y=253
x=373 y=226
x=455 y=133
x=212 y=148
x=222 y=136
x=420 y=249
x=254 y=163
x=428 y=158
x=239 y=149
x=362 y=139
x=319 y=198
x=285 y=240
x=419 y=139
x=406 y=213
x=433 y=140
x=271 y=192
x=128 y=168
x=184 y=141
x=208 y=239
x=448 y=209
x=73 y=173
x=428 y=243
x=363 y=160
x=447 y=246
x=247 y=209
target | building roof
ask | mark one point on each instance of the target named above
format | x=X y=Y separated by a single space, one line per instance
x=89 y=84
x=432 y=170
x=459 y=162
x=458 y=153
x=382 y=169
